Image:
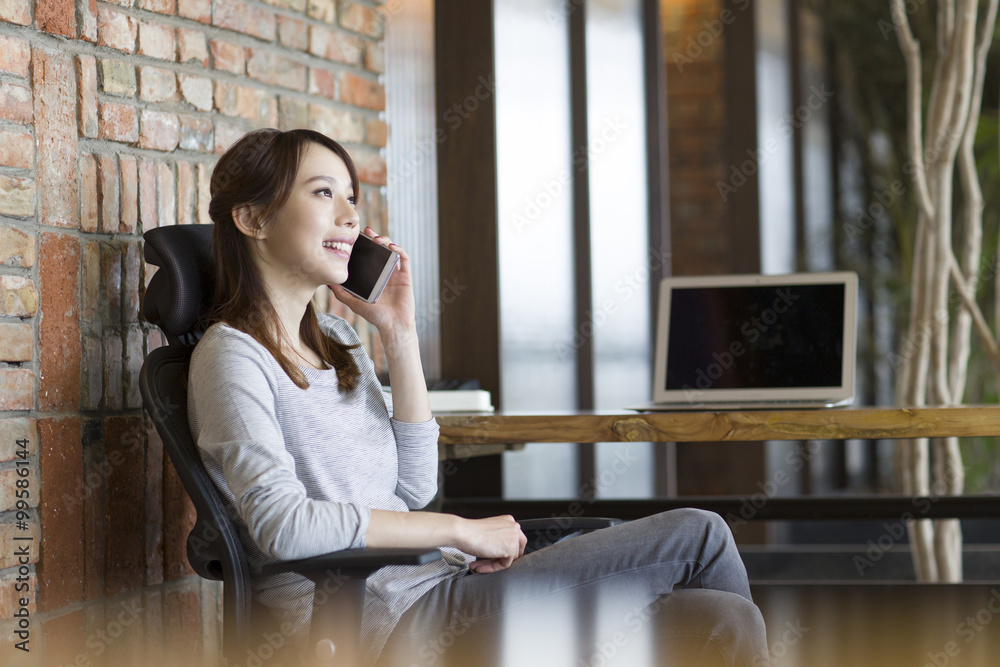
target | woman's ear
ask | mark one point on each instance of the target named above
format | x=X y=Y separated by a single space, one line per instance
x=247 y=222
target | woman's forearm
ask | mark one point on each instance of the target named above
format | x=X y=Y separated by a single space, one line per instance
x=406 y=375
x=416 y=530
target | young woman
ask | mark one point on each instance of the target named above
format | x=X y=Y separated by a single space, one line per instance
x=294 y=430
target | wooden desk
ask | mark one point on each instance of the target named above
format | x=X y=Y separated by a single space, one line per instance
x=463 y=435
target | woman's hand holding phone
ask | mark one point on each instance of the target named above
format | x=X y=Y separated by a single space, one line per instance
x=394 y=310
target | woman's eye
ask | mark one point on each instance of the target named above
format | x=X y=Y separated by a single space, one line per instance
x=326 y=192
x=353 y=200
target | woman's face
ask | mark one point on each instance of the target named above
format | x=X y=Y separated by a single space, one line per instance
x=311 y=236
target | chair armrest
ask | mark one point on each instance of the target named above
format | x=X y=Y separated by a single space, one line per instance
x=354 y=559
x=567 y=523
x=545 y=532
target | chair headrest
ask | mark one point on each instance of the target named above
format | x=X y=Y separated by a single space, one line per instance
x=183 y=289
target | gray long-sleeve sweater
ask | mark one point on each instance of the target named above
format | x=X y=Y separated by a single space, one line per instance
x=300 y=470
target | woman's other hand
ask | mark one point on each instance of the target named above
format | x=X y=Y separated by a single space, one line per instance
x=496 y=542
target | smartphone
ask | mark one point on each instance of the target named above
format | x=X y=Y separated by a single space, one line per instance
x=369 y=268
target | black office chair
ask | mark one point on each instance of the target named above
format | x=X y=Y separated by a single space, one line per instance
x=177 y=299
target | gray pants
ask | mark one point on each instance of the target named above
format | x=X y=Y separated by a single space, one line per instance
x=668 y=589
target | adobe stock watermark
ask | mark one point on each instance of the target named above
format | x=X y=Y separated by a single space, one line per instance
x=819 y=96
x=751 y=505
x=551 y=188
x=897 y=20
x=100 y=640
x=695 y=45
x=790 y=636
x=625 y=287
x=453 y=118
x=896 y=532
x=751 y=330
x=967 y=630
x=432 y=650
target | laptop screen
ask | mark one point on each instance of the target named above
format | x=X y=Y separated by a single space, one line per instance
x=755 y=337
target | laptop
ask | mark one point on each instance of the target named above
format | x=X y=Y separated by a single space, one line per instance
x=755 y=342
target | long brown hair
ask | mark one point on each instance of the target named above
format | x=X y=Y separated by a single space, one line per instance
x=259 y=171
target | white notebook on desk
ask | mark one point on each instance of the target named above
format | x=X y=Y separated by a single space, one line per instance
x=755 y=342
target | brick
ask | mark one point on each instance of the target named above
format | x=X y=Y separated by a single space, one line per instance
x=243 y=101
x=93 y=374
x=8 y=483
x=158 y=6
x=293 y=32
x=160 y=131
x=129 y=195
x=226 y=134
x=187 y=193
x=15 y=56
x=16 y=103
x=17 y=149
x=337 y=46
x=89 y=195
x=130 y=298
x=245 y=18
x=192 y=47
x=167 y=212
x=111 y=278
x=157 y=85
x=92 y=495
x=59 y=328
x=276 y=70
x=227 y=56
x=196 y=91
x=118 y=122
x=370 y=165
x=109 y=197
x=196 y=134
x=113 y=371
x=7 y=533
x=344 y=126
x=91 y=281
x=292 y=113
x=117 y=77
x=362 y=19
x=57 y=17
x=14 y=429
x=116 y=30
x=147 y=195
x=294 y=5
x=17 y=196
x=60 y=571
x=86 y=78
x=10 y=597
x=204 y=192
x=87 y=20
x=376 y=132
x=323 y=82
x=360 y=92
x=123 y=442
x=133 y=362
x=16 y=248
x=56 y=137
x=154 y=505
x=375 y=58
x=322 y=10
x=16 y=11
x=156 y=41
x=197 y=10
x=17 y=386
x=17 y=342
x=178 y=520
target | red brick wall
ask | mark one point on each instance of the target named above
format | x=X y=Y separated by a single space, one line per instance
x=693 y=52
x=112 y=115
